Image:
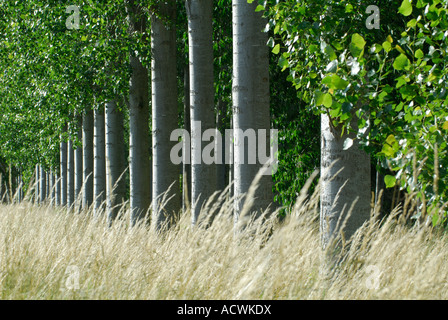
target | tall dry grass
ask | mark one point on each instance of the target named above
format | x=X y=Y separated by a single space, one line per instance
x=47 y=253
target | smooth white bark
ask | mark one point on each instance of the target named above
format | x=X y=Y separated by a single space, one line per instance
x=47 y=185
x=345 y=184
x=57 y=190
x=166 y=174
x=87 y=154
x=250 y=101
x=99 y=162
x=186 y=162
x=139 y=143
x=70 y=173
x=139 y=166
x=63 y=180
x=78 y=168
x=200 y=37
x=139 y=162
x=36 y=184
x=52 y=188
x=115 y=160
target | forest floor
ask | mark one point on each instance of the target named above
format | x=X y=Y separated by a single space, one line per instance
x=47 y=253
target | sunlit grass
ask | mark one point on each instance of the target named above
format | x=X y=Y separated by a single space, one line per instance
x=48 y=253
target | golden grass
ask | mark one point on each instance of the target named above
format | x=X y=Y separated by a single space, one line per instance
x=47 y=253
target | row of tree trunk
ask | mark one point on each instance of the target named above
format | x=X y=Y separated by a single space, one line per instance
x=91 y=174
x=11 y=184
x=94 y=173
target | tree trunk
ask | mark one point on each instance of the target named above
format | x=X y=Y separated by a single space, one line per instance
x=57 y=190
x=200 y=32
x=231 y=164
x=47 y=186
x=250 y=104
x=99 y=162
x=43 y=184
x=115 y=160
x=21 y=195
x=70 y=173
x=166 y=174
x=221 y=167
x=139 y=166
x=36 y=185
x=63 y=180
x=78 y=168
x=345 y=184
x=52 y=188
x=87 y=154
x=380 y=187
x=17 y=184
x=186 y=162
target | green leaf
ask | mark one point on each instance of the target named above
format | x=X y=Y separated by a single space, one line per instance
x=412 y=23
x=319 y=96
x=445 y=125
x=335 y=113
x=276 y=49
x=313 y=48
x=376 y=48
x=400 y=49
x=387 y=46
x=329 y=51
x=390 y=181
x=327 y=100
x=405 y=8
x=401 y=62
x=277 y=28
x=283 y=62
x=419 y=54
x=357 y=45
x=401 y=81
x=435 y=219
x=335 y=82
x=420 y=100
x=390 y=147
x=347 y=107
x=259 y=8
x=323 y=99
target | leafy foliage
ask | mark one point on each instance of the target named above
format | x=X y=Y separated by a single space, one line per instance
x=52 y=71
x=391 y=79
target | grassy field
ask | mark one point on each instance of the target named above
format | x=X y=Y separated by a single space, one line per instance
x=47 y=253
